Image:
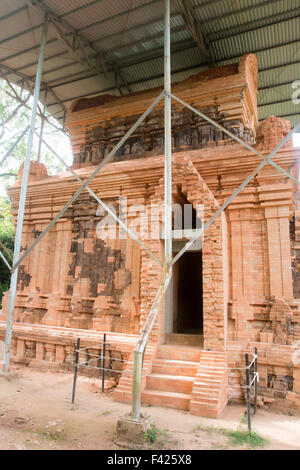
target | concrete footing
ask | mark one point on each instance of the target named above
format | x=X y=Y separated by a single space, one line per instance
x=131 y=431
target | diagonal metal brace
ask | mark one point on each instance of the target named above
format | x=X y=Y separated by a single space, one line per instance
x=15 y=144
x=91 y=177
x=5 y=260
x=240 y=141
x=265 y=161
x=105 y=206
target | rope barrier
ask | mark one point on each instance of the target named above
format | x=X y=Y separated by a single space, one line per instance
x=80 y=364
x=102 y=357
x=96 y=358
x=108 y=343
x=107 y=357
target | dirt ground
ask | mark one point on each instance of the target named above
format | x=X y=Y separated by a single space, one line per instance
x=36 y=413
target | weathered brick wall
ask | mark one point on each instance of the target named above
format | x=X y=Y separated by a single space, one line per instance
x=189 y=132
x=279 y=372
x=215 y=293
x=75 y=279
x=97 y=124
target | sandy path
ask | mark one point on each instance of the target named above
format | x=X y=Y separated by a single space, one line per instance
x=36 y=413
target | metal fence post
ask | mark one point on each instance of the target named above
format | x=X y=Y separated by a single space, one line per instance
x=103 y=361
x=75 y=370
x=255 y=380
x=248 y=393
x=22 y=204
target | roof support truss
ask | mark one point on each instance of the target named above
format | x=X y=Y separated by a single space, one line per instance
x=194 y=28
x=77 y=44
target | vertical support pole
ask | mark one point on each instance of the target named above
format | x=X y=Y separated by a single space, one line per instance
x=168 y=137
x=75 y=370
x=18 y=239
x=103 y=361
x=255 y=381
x=42 y=128
x=248 y=393
x=138 y=355
x=137 y=384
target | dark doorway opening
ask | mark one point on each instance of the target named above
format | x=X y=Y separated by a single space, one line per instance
x=188 y=295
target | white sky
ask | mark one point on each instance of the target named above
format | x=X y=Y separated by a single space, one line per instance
x=296 y=140
x=58 y=141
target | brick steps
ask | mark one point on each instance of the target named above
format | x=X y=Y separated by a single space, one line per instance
x=170 y=383
x=183 y=339
x=173 y=369
x=165 y=398
x=181 y=377
x=210 y=393
x=124 y=389
x=180 y=353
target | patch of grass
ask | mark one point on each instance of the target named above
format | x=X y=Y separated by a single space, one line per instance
x=236 y=438
x=52 y=434
x=150 y=435
x=164 y=432
x=161 y=437
x=208 y=429
x=219 y=446
x=240 y=438
x=106 y=413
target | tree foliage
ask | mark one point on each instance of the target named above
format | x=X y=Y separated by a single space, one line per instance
x=14 y=117
x=7 y=236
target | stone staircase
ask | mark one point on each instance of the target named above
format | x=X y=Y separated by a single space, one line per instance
x=124 y=388
x=210 y=391
x=173 y=373
x=182 y=377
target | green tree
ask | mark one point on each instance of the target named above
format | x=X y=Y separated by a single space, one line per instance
x=7 y=236
x=14 y=117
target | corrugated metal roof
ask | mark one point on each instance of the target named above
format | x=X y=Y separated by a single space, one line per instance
x=129 y=33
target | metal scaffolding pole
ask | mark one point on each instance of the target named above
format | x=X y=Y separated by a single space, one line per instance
x=19 y=230
x=138 y=355
x=168 y=138
x=42 y=127
x=5 y=260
